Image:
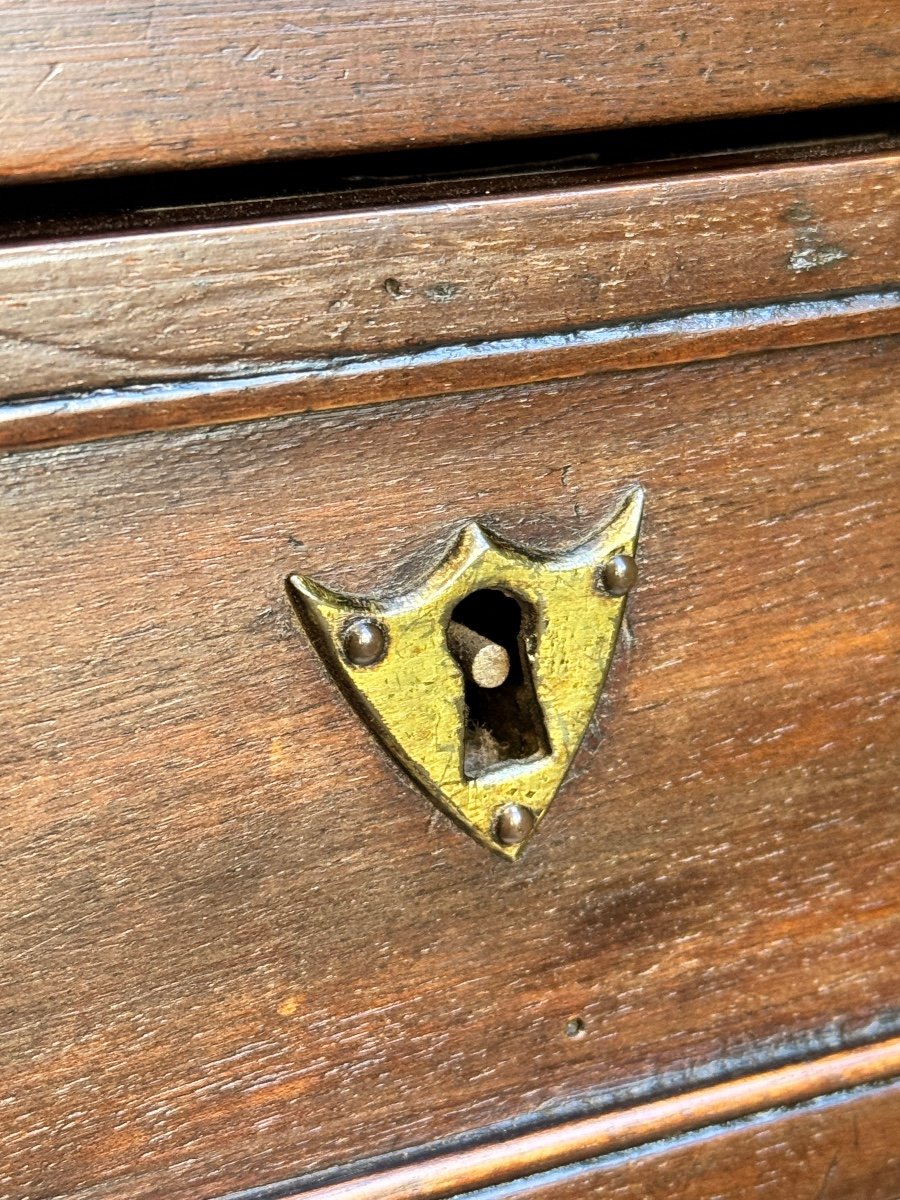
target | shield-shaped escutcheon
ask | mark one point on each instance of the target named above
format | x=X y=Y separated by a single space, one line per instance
x=481 y=680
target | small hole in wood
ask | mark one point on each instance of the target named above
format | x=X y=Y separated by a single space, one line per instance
x=392 y=287
x=575 y=1027
x=504 y=722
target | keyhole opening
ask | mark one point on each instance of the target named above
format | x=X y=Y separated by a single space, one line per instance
x=504 y=724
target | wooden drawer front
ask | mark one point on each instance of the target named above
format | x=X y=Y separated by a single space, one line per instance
x=167 y=83
x=237 y=945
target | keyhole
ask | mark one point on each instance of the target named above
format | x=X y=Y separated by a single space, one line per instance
x=504 y=723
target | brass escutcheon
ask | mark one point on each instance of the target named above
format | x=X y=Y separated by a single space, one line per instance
x=481 y=681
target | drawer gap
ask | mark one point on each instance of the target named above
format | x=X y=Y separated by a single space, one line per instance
x=286 y=188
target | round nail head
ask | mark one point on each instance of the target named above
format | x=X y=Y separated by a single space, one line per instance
x=512 y=824
x=364 y=642
x=619 y=575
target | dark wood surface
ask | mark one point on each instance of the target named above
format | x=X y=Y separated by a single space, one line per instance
x=843 y=1149
x=562 y=1158
x=94 y=87
x=301 y=294
x=236 y=946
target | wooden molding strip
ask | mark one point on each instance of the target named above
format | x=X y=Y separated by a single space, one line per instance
x=844 y=1145
x=447 y=369
x=498 y=1162
x=205 y=303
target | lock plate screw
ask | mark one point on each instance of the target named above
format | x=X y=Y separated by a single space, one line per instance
x=619 y=575
x=512 y=824
x=364 y=642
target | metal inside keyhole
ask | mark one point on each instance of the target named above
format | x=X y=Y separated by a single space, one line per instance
x=504 y=722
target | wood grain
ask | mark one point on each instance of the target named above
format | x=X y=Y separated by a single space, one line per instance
x=326 y=290
x=529 y=1157
x=464 y=367
x=842 y=1149
x=92 y=86
x=236 y=946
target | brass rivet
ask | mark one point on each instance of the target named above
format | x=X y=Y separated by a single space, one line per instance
x=512 y=824
x=364 y=642
x=619 y=575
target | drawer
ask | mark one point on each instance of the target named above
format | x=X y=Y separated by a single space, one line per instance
x=239 y=947
x=162 y=84
x=246 y=918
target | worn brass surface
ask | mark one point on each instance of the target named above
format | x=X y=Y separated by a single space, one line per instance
x=413 y=698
